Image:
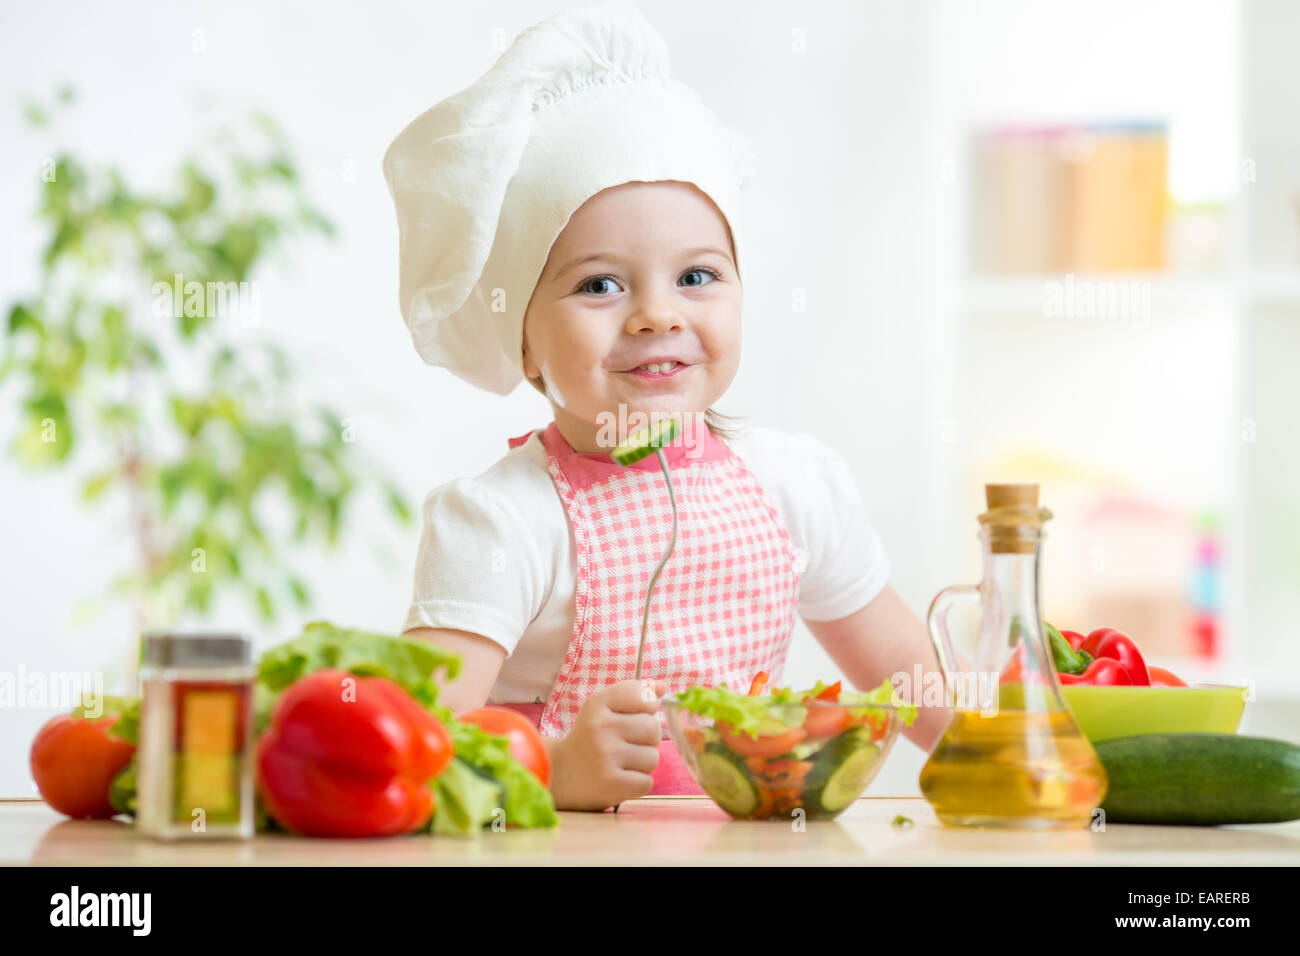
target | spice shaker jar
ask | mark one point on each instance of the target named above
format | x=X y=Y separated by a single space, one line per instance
x=195 y=776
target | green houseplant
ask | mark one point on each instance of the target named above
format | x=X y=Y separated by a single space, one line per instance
x=137 y=362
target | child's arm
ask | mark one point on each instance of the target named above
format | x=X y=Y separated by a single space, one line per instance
x=480 y=663
x=880 y=640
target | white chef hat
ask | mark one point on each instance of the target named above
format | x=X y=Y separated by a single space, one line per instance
x=485 y=181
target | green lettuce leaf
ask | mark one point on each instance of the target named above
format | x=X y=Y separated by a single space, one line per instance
x=465 y=800
x=410 y=663
x=122 y=791
x=127 y=726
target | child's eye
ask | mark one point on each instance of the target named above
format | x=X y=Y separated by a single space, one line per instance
x=587 y=283
x=700 y=270
x=591 y=286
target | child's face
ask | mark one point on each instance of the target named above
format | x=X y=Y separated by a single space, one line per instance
x=661 y=282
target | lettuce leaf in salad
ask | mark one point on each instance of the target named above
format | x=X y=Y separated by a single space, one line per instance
x=758 y=715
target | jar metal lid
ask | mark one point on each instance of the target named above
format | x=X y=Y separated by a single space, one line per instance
x=196 y=650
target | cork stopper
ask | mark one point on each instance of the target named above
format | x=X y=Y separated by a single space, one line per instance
x=1013 y=518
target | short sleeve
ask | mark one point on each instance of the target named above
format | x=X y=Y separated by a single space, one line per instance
x=479 y=568
x=846 y=565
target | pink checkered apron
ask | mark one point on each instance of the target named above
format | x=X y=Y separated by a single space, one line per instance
x=725 y=603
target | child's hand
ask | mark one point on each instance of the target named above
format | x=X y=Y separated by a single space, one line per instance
x=613 y=747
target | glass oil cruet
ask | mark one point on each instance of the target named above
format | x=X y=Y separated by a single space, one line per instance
x=1012 y=755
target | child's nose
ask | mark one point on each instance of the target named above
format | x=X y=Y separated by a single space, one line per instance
x=655 y=317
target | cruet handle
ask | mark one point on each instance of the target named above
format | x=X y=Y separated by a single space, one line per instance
x=937 y=621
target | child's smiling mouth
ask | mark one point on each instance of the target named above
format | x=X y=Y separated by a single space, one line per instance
x=658 y=372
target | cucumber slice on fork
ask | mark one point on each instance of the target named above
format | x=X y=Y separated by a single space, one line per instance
x=645 y=441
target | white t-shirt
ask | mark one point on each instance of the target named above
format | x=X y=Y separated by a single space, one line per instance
x=496 y=553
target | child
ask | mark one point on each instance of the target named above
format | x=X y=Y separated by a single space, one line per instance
x=571 y=219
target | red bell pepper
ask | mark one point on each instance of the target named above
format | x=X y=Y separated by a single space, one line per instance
x=758 y=683
x=1102 y=672
x=1106 y=657
x=1108 y=642
x=1066 y=656
x=831 y=693
x=1073 y=638
x=349 y=756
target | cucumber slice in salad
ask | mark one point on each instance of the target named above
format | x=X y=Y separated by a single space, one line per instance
x=806 y=749
x=645 y=441
x=841 y=772
x=728 y=783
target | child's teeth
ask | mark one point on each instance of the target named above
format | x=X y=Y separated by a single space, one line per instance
x=661 y=367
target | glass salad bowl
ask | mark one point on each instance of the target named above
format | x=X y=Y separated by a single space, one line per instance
x=776 y=755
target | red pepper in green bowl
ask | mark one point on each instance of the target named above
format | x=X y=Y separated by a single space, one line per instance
x=1106 y=658
x=1102 y=672
x=1109 y=642
x=349 y=756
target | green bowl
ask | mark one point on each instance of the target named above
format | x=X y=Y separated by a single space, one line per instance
x=1106 y=712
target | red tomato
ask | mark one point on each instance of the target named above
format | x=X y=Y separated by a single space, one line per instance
x=1160 y=677
x=771 y=745
x=526 y=744
x=825 y=721
x=73 y=763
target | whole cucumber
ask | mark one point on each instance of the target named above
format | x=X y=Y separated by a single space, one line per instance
x=1200 y=779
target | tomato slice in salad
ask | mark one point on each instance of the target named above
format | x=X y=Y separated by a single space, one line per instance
x=825 y=721
x=765 y=745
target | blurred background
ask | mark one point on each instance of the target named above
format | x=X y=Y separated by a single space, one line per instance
x=990 y=242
